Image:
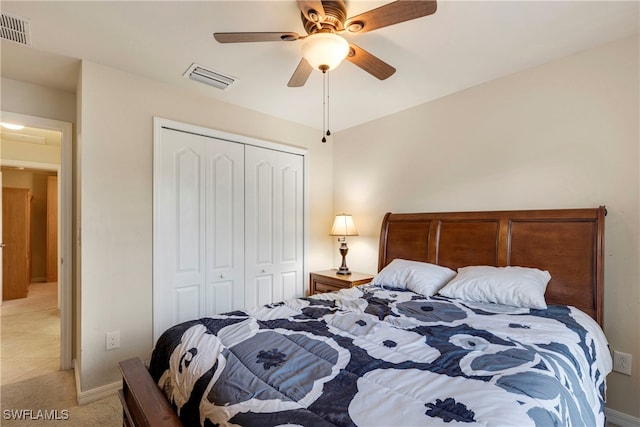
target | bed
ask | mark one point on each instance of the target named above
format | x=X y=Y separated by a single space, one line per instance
x=399 y=352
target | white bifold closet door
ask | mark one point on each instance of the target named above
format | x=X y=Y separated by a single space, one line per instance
x=273 y=226
x=228 y=227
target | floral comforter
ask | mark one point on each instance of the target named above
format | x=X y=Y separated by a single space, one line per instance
x=368 y=356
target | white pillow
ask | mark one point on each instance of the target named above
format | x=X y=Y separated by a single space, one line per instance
x=515 y=286
x=420 y=277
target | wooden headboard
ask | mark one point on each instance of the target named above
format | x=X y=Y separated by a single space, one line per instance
x=569 y=243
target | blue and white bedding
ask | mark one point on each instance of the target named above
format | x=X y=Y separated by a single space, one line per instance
x=368 y=356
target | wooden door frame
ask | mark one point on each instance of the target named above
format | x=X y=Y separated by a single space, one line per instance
x=65 y=198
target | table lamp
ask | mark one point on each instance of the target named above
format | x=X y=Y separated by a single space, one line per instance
x=343 y=226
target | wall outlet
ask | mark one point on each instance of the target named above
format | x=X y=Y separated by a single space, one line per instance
x=622 y=362
x=112 y=340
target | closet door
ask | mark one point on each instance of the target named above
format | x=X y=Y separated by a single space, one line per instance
x=198 y=247
x=274 y=200
x=224 y=226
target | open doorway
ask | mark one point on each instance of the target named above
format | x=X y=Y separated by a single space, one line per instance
x=30 y=310
x=37 y=159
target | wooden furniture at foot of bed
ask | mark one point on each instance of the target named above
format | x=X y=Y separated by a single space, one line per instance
x=143 y=404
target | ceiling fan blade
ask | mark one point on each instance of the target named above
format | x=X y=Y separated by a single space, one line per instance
x=301 y=74
x=370 y=63
x=389 y=14
x=308 y=7
x=255 y=37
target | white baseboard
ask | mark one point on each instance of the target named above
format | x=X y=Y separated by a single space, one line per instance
x=98 y=393
x=76 y=372
x=89 y=396
x=620 y=418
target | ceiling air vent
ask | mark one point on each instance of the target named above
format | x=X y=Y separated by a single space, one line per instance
x=209 y=77
x=15 y=28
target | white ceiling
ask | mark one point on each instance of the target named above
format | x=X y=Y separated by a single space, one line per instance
x=461 y=45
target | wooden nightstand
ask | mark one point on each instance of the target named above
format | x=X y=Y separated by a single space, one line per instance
x=329 y=281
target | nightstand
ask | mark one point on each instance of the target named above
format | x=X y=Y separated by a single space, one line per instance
x=329 y=281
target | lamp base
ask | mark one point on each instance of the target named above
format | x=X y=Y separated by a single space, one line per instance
x=343 y=251
x=343 y=271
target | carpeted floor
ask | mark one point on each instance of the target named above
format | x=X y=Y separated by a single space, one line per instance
x=51 y=400
x=30 y=331
x=34 y=391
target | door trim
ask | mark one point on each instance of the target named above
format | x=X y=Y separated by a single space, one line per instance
x=159 y=123
x=65 y=261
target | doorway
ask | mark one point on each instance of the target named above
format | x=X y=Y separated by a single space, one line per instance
x=60 y=264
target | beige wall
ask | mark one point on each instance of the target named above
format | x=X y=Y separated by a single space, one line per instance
x=34 y=100
x=561 y=135
x=116 y=112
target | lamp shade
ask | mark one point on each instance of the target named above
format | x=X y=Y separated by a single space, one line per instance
x=343 y=226
x=324 y=50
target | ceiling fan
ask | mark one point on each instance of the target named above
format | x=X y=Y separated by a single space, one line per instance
x=323 y=21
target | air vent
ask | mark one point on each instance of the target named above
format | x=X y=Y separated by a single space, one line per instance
x=15 y=28
x=209 y=77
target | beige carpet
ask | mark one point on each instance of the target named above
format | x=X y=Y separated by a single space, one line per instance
x=34 y=391
x=30 y=334
x=54 y=396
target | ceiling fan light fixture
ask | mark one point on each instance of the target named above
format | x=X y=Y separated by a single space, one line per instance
x=325 y=50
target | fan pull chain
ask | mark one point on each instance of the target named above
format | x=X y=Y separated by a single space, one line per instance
x=328 y=115
x=324 y=105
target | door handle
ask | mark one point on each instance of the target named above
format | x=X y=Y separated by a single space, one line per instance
x=2 y=245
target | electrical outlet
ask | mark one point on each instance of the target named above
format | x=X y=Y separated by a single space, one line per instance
x=622 y=362
x=112 y=340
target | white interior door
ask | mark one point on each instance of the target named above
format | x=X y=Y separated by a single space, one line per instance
x=274 y=200
x=198 y=246
x=224 y=225
x=179 y=243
